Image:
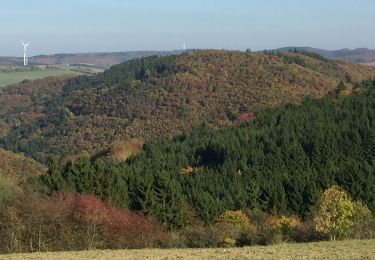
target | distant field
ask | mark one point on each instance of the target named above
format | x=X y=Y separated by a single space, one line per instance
x=370 y=63
x=351 y=249
x=12 y=77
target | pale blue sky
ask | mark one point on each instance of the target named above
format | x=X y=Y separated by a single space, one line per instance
x=65 y=26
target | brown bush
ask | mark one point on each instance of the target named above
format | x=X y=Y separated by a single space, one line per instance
x=202 y=237
x=72 y=222
x=132 y=230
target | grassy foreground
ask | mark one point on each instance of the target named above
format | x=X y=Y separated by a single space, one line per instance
x=349 y=249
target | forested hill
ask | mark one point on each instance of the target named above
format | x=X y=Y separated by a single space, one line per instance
x=360 y=55
x=281 y=162
x=161 y=96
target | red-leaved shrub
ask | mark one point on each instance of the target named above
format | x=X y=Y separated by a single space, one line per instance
x=107 y=226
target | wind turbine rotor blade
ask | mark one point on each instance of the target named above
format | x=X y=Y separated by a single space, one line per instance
x=25 y=44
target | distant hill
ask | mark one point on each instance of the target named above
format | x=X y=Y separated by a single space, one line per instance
x=157 y=97
x=360 y=55
x=107 y=59
x=100 y=59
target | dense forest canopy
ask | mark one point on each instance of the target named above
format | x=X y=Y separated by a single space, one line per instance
x=161 y=96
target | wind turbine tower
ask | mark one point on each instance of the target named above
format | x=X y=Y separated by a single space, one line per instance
x=184 y=46
x=25 y=59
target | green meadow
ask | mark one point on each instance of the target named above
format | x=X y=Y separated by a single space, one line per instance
x=15 y=74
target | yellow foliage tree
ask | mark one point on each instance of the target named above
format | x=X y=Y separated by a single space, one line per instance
x=334 y=213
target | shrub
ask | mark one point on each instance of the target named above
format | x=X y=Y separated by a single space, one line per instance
x=285 y=226
x=132 y=230
x=107 y=226
x=269 y=236
x=228 y=233
x=257 y=216
x=202 y=237
x=234 y=228
x=248 y=236
x=175 y=239
x=284 y=222
x=363 y=222
x=305 y=232
x=233 y=217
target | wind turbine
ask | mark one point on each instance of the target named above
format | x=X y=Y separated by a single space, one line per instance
x=25 y=45
x=184 y=46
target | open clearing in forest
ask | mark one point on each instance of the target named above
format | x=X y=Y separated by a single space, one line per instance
x=349 y=249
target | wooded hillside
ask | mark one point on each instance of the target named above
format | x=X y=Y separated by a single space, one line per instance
x=160 y=97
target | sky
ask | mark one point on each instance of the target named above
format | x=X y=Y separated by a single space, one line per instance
x=71 y=26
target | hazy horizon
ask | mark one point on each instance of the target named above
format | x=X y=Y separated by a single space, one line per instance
x=84 y=26
x=93 y=52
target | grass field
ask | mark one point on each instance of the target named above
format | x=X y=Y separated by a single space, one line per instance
x=350 y=249
x=12 y=77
